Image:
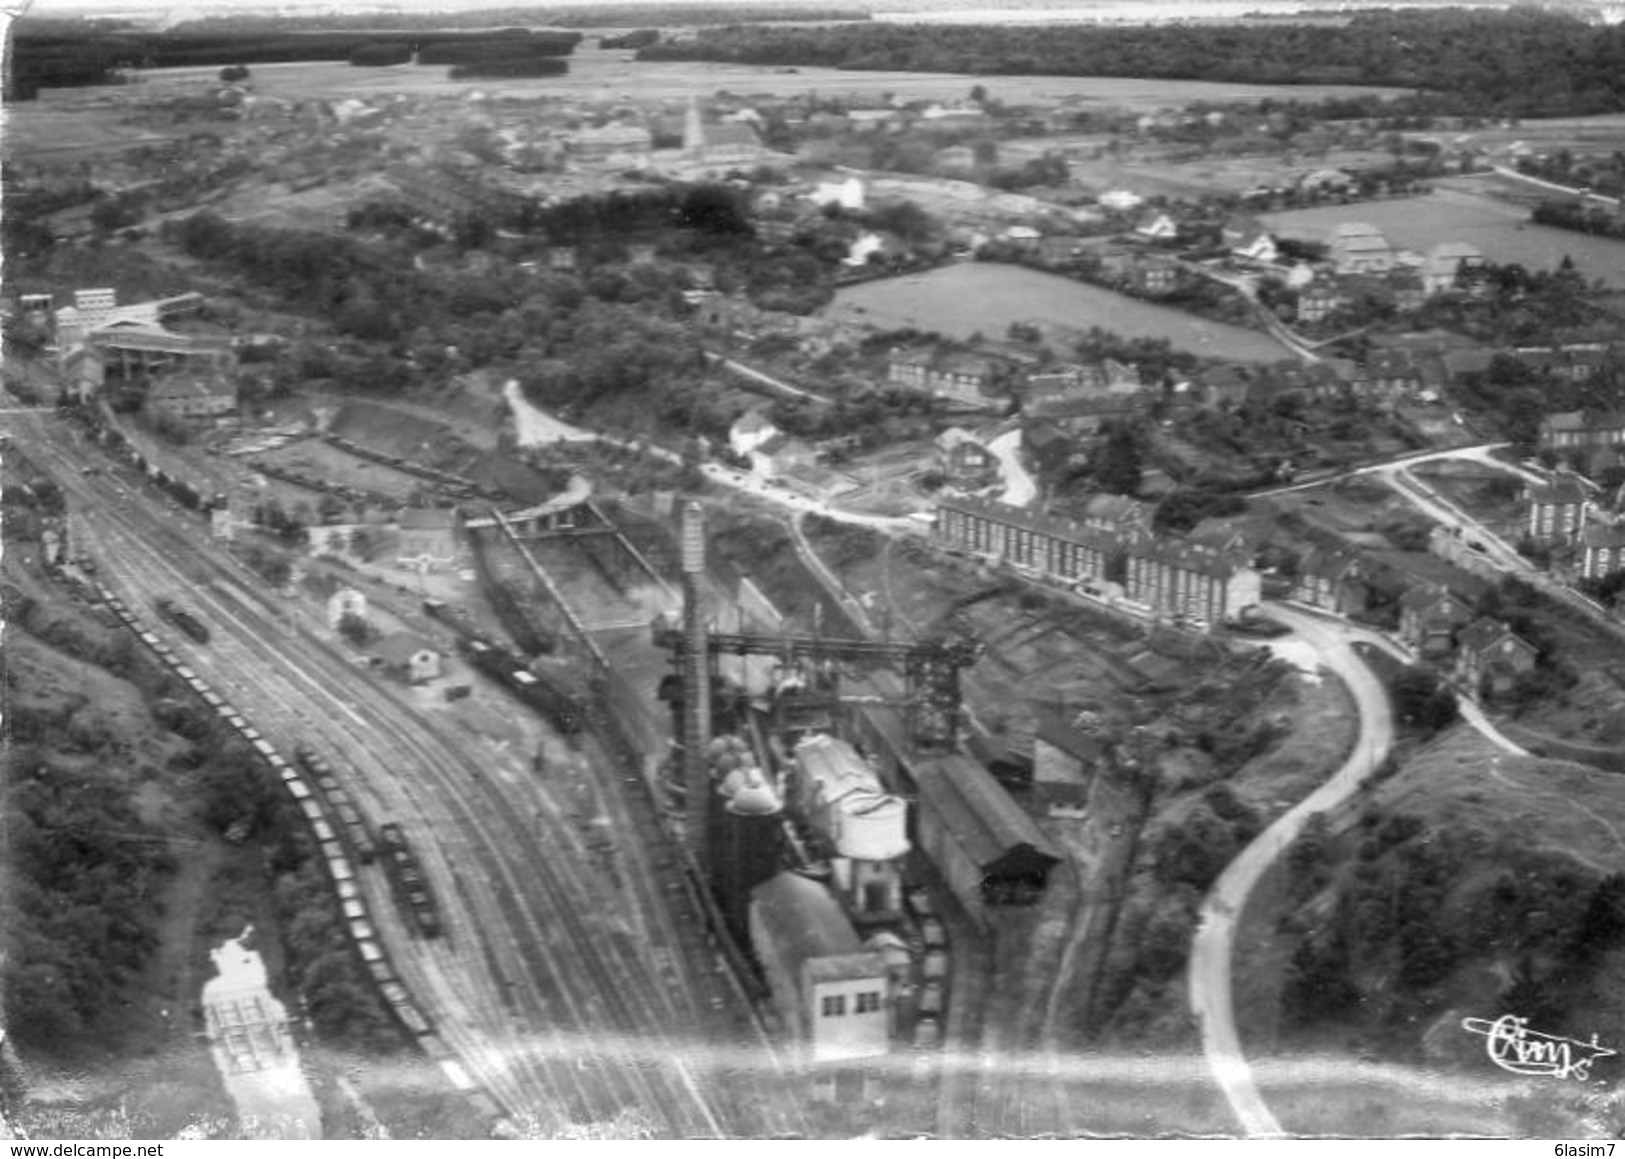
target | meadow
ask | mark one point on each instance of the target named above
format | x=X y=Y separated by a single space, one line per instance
x=598 y=73
x=1500 y=231
x=985 y=297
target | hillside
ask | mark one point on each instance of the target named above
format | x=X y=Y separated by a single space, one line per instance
x=1469 y=884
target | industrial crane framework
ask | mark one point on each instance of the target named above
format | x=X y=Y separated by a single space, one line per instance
x=931 y=698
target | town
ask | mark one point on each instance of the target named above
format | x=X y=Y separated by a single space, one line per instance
x=621 y=580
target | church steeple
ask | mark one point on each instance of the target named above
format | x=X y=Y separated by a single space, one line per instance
x=693 y=129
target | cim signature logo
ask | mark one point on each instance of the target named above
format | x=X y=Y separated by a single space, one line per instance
x=1514 y=1047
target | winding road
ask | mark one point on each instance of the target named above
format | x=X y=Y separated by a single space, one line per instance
x=1213 y=951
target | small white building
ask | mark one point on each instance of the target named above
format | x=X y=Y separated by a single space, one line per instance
x=345 y=602
x=848 y=194
x=409 y=657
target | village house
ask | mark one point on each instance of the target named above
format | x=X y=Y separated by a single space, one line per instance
x=1389 y=374
x=1429 y=616
x=428 y=538
x=1490 y=657
x=1083 y=414
x=1602 y=549
x=966 y=463
x=1320 y=301
x=971 y=379
x=1445 y=263
x=1047 y=446
x=1581 y=432
x=1334 y=579
x=1358 y=248
x=1157 y=227
x=408 y=657
x=1247 y=240
x=1224 y=386
x=749 y=432
x=1557 y=509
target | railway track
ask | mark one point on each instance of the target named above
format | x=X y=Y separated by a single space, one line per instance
x=519 y=1010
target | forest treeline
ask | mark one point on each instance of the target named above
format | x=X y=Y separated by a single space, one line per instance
x=57 y=54
x=1517 y=62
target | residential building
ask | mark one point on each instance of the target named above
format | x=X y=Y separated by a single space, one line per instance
x=848 y=194
x=1224 y=385
x=1319 y=301
x=1557 y=509
x=428 y=538
x=1429 y=616
x=1060 y=549
x=966 y=463
x=1202 y=587
x=749 y=431
x=1582 y=432
x=1602 y=548
x=972 y=379
x=1333 y=578
x=1157 y=227
x=1048 y=447
x=1490 y=657
x=1120 y=515
x=409 y=657
x=1358 y=248
x=1445 y=263
x=1389 y=374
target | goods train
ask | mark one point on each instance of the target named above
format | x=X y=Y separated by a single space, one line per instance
x=332 y=852
x=566 y=709
x=356 y=830
x=183 y=619
x=407 y=877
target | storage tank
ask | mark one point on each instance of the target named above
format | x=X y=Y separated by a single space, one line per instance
x=746 y=842
x=871 y=827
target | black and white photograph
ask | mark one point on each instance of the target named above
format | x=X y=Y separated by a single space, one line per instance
x=872 y=570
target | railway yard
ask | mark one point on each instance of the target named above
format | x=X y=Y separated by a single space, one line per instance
x=567 y=996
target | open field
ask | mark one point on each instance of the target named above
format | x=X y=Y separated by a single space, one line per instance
x=985 y=297
x=1198 y=177
x=1501 y=231
x=599 y=73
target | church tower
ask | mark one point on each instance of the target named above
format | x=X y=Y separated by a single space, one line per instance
x=693 y=130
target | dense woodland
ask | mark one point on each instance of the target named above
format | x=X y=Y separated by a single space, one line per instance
x=1519 y=62
x=52 y=54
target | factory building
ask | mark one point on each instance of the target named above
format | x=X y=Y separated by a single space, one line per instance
x=860 y=826
x=988 y=850
x=831 y=994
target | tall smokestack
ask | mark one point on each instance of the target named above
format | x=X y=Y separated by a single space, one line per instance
x=696 y=687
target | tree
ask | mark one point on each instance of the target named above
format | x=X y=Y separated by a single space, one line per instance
x=1422 y=699
x=1117 y=464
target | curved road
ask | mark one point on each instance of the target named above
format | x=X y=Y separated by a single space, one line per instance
x=1209 y=977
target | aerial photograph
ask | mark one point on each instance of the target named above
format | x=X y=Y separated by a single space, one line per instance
x=813 y=569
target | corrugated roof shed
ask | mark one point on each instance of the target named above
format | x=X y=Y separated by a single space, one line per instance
x=802 y=919
x=979 y=814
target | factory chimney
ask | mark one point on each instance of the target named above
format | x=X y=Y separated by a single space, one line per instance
x=696 y=687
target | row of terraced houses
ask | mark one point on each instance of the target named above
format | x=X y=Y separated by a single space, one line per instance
x=1168 y=575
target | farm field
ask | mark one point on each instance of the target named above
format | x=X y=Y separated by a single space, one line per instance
x=1197 y=177
x=985 y=297
x=1501 y=231
x=598 y=73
